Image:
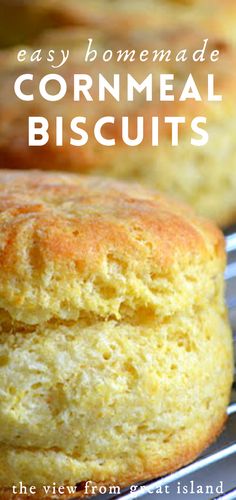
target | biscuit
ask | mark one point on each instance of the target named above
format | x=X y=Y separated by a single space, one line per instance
x=115 y=346
x=217 y=17
x=31 y=19
x=204 y=177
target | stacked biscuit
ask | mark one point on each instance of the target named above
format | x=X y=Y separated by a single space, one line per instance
x=115 y=348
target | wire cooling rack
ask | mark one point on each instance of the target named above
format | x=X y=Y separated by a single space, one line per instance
x=216 y=467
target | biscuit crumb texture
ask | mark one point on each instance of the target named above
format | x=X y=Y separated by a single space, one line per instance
x=115 y=346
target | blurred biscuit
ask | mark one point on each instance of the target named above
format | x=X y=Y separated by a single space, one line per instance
x=205 y=177
x=115 y=347
x=217 y=17
x=23 y=20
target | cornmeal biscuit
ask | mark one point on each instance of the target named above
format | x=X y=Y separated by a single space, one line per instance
x=115 y=346
x=205 y=176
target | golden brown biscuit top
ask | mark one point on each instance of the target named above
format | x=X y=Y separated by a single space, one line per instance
x=71 y=244
x=82 y=217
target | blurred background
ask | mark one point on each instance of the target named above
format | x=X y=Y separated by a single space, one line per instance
x=204 y=177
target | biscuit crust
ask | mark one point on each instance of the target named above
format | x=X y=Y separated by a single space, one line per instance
x=60 y=227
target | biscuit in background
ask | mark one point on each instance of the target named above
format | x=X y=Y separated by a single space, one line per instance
x=216 y=17
x=23 y=20
x=205 y=176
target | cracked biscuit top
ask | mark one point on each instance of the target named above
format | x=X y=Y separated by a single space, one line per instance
x=73 y=245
